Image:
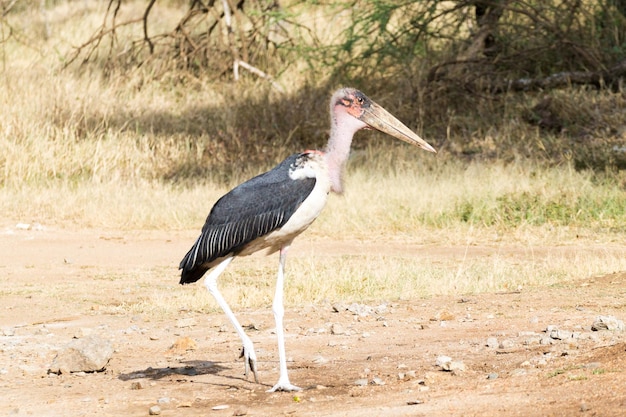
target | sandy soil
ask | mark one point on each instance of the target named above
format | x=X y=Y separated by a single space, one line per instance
x=55 y=285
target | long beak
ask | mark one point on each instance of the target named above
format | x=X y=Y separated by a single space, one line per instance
x=380 y=119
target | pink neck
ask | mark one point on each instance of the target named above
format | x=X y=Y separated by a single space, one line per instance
x=343 y=127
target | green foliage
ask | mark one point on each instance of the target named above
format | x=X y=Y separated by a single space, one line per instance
x=599 y=206
x=525 y=38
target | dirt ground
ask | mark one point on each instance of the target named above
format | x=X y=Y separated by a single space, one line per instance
x=56 y=285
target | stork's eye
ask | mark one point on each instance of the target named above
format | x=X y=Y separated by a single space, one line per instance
x=360 y=100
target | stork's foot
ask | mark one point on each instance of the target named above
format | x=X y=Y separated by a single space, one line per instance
x=284 y=386
x=249 y=357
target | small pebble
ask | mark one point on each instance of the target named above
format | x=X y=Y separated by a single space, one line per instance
x=443 y=362
x=221 y=407
x=378 y=381
x=561 y=334
x=545 y=341
x=607 y=323
x=457 y=367
x=155 y=410
x=8 y=332
x=492 y=375
x=506 y=344
x=339 y=307
x=138 y=385
x=361 y=382
x=337 y=329
x=492 y=343
x=320 y=360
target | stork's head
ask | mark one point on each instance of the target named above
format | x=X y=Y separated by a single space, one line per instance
x=352 y=110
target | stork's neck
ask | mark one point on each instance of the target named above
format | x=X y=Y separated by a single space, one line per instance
x=342 y=129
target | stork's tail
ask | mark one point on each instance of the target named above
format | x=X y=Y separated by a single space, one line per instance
x=187 y=276
x=191 y=271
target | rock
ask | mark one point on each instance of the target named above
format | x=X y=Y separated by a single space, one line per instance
x=378 y=381
x=83 y=332
x=550 y=328
x=9 y=331
x=559 y=334
x=456 y=367
x=182 y=345
x=381 y=309
x=320 y=360
x=492 y=342
x=138 y=385
x=240 y=411
x=607 y=323
x=339 y=307
x=492 y=375
x=443 y=362
x=545 y=341
x=506 y=344
x=88 y=354
x=337 y=329
x=221 y=407
x=360 y=309
x=447 y=364
x=445 y=316
x=361 y=382
x=155 y=410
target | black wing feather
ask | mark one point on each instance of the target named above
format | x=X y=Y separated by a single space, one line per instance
x=250 y=210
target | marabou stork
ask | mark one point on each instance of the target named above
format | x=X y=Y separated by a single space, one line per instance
x=270 y=210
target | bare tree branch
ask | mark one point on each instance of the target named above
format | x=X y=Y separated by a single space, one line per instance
x=611 y=77
x=145 y=26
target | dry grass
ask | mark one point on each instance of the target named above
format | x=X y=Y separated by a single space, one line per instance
x=348 y=274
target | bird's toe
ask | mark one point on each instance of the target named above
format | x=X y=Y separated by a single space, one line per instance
x=284 y=386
